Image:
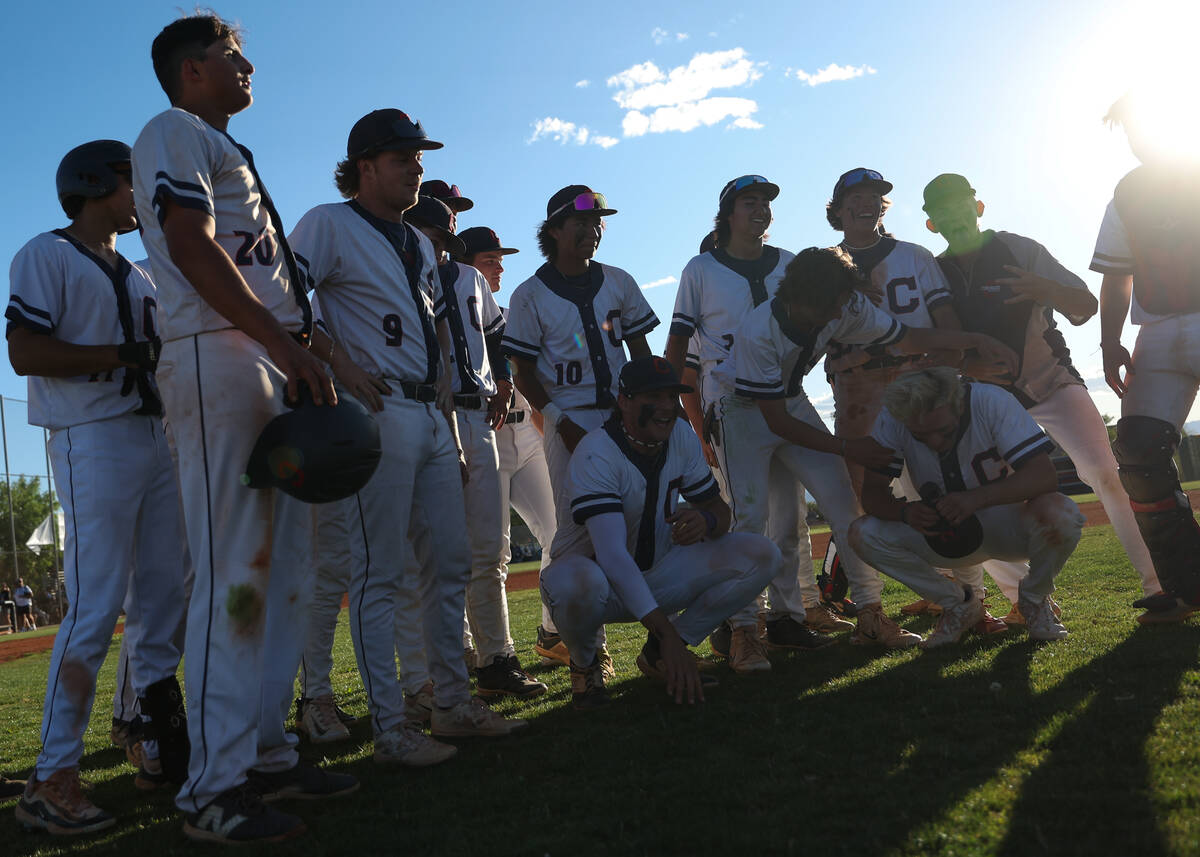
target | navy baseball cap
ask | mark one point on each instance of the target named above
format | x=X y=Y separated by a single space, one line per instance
x=736 y=187
x=447 y=193
x=948 y=187
x=578 y=197
x=433 y=213
x=482 y=239
x=385 y=130
x=649 y=375
x=861 y=176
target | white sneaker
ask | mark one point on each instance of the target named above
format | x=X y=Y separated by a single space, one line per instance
x=954 y=622
x=410 y=746
x=472 y=718
x=1040 y=621
x=320 y=722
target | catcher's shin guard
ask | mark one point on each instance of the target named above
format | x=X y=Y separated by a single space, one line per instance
x=163 y=705
x=1144 y=448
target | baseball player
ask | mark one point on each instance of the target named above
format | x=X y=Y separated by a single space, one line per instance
x=1147 y=249
x=568 y=327
x=1009 y=287
x=236 y=327
x=81 y=325
x=482 y=389
x=763 y=405
x=382 y=301
x=449 y=194
x=23 y=599
x=524 y=479
x=716 y=290
x=982 y=463
x=630 y=553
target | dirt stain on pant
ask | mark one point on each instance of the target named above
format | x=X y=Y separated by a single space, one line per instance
x=79 y=684
x=244 y=604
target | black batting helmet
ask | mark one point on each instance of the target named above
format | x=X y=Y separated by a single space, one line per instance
x=87 y=170
x=316 y=453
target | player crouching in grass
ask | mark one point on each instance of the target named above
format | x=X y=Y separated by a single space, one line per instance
x=628 y=553
x=989 y=491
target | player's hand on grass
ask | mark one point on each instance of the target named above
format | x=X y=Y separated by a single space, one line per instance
x=298 y=365
x=498 y=404
x=571 y=433
x=957 y=506
x=358 y=382
x=920 y=517
x=683 y=675
x=687 y=527
x=868 y=452
x=1116 y=358
x=1028 y=286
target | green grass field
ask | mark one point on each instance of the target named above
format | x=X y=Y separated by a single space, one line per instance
x=996 y=747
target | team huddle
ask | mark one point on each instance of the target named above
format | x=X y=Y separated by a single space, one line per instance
x=253 y=423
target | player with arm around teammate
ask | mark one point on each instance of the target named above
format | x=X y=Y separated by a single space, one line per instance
x=629 y=553
x=81 y=325
x=989 y=490
x=766 y=413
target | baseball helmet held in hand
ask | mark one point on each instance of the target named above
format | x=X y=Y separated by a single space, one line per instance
x=316 y=453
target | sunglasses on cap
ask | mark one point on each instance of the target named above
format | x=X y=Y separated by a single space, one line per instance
x=858 y=176
x=584 y=202
x=743 y=183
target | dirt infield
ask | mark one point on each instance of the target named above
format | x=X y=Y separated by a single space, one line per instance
x=15 y=646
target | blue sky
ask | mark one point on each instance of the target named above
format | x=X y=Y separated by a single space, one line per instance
x=676 y=98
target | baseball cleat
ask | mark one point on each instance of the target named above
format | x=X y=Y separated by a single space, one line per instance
x=504 y=677
x=917 y=608
x=587 y=687
x=418 y=707
x=606 y=663
x=1040 y=621
x=786 y=633
x=472 y=719
x=989 y=624
x=119 y=733
x=11 y=788
x=747 y=651
x=57 y=805
x=239 y=816
x=1163 y=609
x=302 y=782
x=955 y=621
x=876 y=629
x=551 y=648
x=719 y=640
x=821 y=619
x=408 y=745
x=150 y=776
x=319 y=721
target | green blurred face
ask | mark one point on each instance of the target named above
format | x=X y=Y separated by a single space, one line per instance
x=957 y=220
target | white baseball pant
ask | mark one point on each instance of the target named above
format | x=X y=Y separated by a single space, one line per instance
x=252 y=552
x=121 y=508
x=525 y=483
x=751 y=450
x=417 y=487
x=331 y=580
x=1044 y=531
x=697 y=585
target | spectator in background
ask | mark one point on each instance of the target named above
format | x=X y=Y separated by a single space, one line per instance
x=8 y=609
x=23 y=596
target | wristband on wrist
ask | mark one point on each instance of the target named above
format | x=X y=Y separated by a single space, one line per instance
x=552 y=413
x=710 y=520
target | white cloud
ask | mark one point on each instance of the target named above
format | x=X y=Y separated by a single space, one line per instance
x=565 y=132
x=583 y=84
x=665 y=281
x=680 y=99
x=833 y=72
x=659 y=36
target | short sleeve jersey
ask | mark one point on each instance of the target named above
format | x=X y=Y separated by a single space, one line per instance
x=384 y=321
x=912 y=284
x=606 y=475
x=61 y=289
x=181 y=160
x=715 y=293
x=771 y=355
x=996 y=436
x=471 y=315
x=23 y=596
x=575 y=331
x=1025 y=327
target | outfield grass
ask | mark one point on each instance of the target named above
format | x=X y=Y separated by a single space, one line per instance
x=996 y=747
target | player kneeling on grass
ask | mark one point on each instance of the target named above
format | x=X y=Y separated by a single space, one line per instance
x=989 y=492
x=628 y=553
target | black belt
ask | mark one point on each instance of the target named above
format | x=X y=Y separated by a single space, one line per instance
x=471 y=403
x=514 y=417
x=419 y=392
x=887 y=361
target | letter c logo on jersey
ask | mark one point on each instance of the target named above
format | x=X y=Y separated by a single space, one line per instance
x=910 y=292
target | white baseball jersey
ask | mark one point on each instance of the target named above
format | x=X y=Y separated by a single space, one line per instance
x=995 y=437
x=1113 y=255
x=574 y=331
x=471 y=315
x=383 y=318
x=771 y=355
x=716 y=291
x=608 y=476
x=62 y=289
x=912 y=284
x=182 y=160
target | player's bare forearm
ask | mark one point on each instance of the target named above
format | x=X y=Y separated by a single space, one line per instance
x=445 y=394
x=719 y=509
x=527 y=381
x=676 y=352
x=1035 y=478
x=49 y=357
x=945 y=317
x=1078 y=305
x=878 y=501
x=691 y=407
x=638 y=346
x=1115 y=293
